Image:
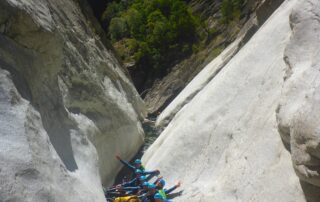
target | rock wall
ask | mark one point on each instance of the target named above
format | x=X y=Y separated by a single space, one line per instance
x=77 y=107
x=198 y=83
x=264 y=9
x=31 y=170
x=224 y=143
x=299 y=110
x=254 y=14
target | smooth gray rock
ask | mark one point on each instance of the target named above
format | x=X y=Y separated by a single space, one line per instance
x=163 y=92
x=164 y=96
x=87 y=109
x=31 y=170
x=299 y=110
x=224 y=144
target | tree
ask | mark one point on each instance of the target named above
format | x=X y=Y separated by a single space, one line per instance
x=118 y=28
x=157 y=31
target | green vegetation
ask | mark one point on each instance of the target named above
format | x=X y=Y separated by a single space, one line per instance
x=231 y=9
x=156 y=32
x=151 y=36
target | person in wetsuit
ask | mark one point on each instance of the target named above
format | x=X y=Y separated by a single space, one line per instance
x=160 y=183
x=137 y=164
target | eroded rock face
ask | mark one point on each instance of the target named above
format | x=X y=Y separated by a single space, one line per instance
x=172 y=86
x=31 y=170
x=299 y=110
x=224 y=144
x=164 y=91
x=82 y=99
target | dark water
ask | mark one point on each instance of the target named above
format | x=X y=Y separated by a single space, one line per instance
x=151 y=133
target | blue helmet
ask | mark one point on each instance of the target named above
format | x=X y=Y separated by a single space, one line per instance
x=146 y=184
x=162 y=182
x=151 y=186
x=157 y=196
x=137 y=161
x=138 y=171
x=142 y=178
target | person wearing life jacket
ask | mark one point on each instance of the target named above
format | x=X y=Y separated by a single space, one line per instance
x=158 y=198
x=136 y=182
x=135 y=190
x=160 y=183
x=129 y=188
x=132 y=198
x=144 y=188
x=149 y=196
x=138 y=172
x=137 y=164
x=116 y=191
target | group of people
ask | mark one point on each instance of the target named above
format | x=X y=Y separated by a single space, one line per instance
x=140 y=189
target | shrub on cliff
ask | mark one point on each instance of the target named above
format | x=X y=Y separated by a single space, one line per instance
x=161 y=31
x=231 y=9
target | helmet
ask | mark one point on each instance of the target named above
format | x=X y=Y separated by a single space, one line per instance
x=157 y=196
x=138 y=171
x=137 y=161
x=151 y=186
x=142 y=178
x=145 y=184
x=162 y=182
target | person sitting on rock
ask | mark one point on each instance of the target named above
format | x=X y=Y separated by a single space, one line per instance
x=116 y=191
x=161 y=190
x=138 y=190
x=148 y=175
x=138 y=165
x=136 y=182
x=130 y=198
x=138 y=173
x=128 y=188
x=158 y=198
x=144 y=189
x=149 y=196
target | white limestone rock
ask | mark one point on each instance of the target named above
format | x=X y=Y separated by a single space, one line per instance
x=197 y=84
x=224 y=144
x=84 y=102
x=31 y=170
x=299 y=110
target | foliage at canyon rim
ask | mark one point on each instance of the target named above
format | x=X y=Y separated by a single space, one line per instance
x=154 y=32
x=154 y=35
